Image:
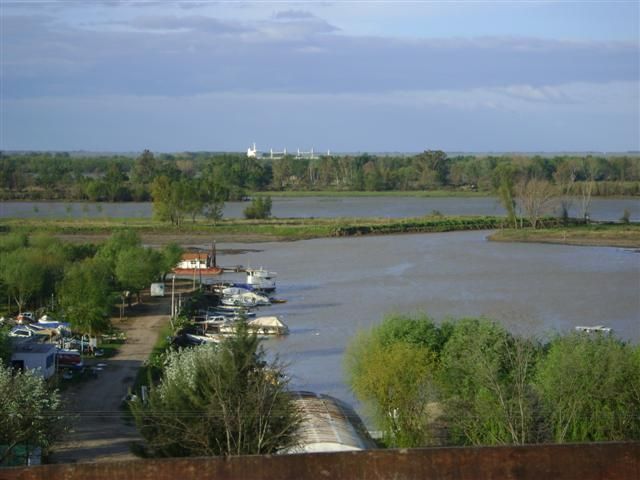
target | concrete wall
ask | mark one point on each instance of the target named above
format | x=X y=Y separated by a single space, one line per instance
x=540 y=462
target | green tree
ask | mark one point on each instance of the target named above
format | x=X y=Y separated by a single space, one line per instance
x=137 y=267
x=260 y=208
x=173 y=199
x=171 y=254
x=224 y=400
x=395 y=382
x=485 y=383
x=589 y=386
x=85 y=296
x=144 y=168
x=392 y=370
x=30 y=412
x=505 y=186
x=118 y=241
x=22 y=274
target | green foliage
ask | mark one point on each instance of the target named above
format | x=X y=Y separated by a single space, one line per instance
x=85 y=296
x=5 y=346
x=419 y=330
x=492 y=387
x=506 y=175
x=137 y=267
x=224 y=400
x=118 y=241
x=22 y=274
x=171 y=254
x=395 y=381
x=589 y=388
x=13 y=241
x=30 y=411
x=123 y=178
x=485 y=382
x=260 y=208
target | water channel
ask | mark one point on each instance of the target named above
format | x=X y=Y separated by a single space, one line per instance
x=336 y=286
x=610 y=209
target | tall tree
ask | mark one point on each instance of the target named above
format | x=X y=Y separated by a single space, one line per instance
x=30 y=412
x=589 y=389
x=505 y=185
x=485 y=380
x=22 y=274
x=85 y=296
x=536 y=198
x=219 y=401
x=137 y=267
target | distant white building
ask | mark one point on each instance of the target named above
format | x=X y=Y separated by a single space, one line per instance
x=252 y=152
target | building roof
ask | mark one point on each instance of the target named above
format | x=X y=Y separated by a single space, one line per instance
x=194 y=256
x=329 y=425
x=33 y=347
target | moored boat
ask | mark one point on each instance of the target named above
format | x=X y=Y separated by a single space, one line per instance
x=261 y=279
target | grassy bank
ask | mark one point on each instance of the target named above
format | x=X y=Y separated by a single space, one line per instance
x=609 y=234
x=289 y=229
x=250 y=230
x=390 y=193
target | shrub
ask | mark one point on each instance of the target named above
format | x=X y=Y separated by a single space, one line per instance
x=260 y=208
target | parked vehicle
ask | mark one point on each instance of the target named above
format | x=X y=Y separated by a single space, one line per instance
x=68 y=358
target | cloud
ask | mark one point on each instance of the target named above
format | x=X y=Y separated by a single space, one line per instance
x=191 y=23
x=293 y=15
x=186 y=55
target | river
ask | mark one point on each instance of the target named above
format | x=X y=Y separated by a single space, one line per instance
x=610 y=209
x=337 y=286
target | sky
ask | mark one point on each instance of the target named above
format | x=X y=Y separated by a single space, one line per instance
x=344 y=76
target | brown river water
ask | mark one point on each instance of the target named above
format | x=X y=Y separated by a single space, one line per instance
x=336 y=286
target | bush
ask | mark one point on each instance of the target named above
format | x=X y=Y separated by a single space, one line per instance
x=626 y=216
x=260 y=208
x=218 y=400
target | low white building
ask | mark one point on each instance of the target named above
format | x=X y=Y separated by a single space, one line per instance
x=40 y=357
x=195 y=261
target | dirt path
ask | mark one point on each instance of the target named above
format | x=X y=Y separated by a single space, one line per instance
x=98 y=431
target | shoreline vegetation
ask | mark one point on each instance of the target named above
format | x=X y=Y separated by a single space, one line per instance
x=594 y=235
x=154 y=232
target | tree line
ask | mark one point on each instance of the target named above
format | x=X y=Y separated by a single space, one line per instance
x=79 y=283
x=471 y=382
x=217 y=177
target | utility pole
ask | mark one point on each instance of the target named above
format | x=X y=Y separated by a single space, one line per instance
x=173 y=298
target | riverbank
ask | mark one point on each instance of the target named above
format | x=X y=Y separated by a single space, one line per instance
x=233 y=231
x=601 y=235
x=385 y=193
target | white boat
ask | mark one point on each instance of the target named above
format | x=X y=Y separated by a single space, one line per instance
x=230 y=312
x=262 y=326
x=248 y=299
x=594 y=329
x=261 y=279
x=203 y=338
